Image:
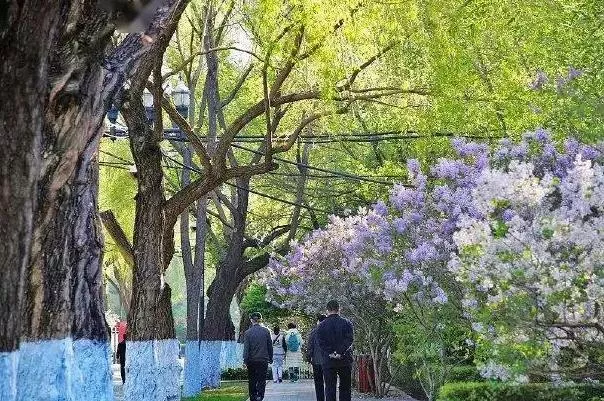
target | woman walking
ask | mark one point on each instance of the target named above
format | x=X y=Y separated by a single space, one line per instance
x=293 y=340
x=279 y=349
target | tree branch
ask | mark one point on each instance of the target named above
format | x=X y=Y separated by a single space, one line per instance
x=119 y=236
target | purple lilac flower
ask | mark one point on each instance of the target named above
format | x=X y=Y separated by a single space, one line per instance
x=380 y=208
x=519 y=151
x=413 y=166
x=574 y=73
x=508 y=215
x=400 y=225
x=425 y=252
x=542 y=135
x=540 y=80
x=560 y=83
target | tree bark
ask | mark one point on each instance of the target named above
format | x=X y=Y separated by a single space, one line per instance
x=26 y=34
x=150 y=310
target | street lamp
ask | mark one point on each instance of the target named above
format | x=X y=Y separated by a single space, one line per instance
x=182 y=98
x=148 y=103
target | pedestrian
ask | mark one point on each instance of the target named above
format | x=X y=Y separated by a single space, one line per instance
x=316 y=360
x=257 y=354
x=335 y=336
x=293 y=359
x=121 y=357
x=279 y=348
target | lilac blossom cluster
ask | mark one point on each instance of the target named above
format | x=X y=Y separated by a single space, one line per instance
x=561 y=81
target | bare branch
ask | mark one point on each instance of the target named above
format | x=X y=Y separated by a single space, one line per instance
x=119 y=236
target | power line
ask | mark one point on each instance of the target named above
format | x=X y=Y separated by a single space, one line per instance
x=334 y=172
x=116 y=157
x=190 y=168
x=119 y=166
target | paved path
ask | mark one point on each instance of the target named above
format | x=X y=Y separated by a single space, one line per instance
x=304 y=390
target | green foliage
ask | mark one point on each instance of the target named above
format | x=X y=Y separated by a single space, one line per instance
x=234 y=374
x=464 y=373
x=229 y=392
x=490 y=391
x=254 y=300
x=429 y=341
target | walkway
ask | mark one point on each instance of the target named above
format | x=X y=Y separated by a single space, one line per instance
x=302 y=391
x=305 y=391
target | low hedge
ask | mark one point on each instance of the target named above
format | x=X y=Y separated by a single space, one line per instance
x=234 y=374
x=241 y=374
x=494 y=391
x=466 y=373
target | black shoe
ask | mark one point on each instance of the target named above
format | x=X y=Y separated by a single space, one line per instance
x=280 y=380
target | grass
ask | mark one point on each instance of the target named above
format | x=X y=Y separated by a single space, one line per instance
x=228 y=392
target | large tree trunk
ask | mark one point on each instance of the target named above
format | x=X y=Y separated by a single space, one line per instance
x=63 y=320
x=26 y=33
x=152 y=352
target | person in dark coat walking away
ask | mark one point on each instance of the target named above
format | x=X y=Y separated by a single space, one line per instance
x=316 y=359
x=257 y=354
x=121 y=357
x=335 y=336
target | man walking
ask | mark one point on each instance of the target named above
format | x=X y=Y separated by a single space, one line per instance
x=335 y=336
x=257 y=354
x=316 y=359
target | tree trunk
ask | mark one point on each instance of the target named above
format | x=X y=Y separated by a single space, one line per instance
x=218 y=323
x=26 y=33
x=63 y=315
x=152 y=350
x=24 y=81
x=194 y=278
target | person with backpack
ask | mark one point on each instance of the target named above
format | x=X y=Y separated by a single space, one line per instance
x=293 y=360
x=279 y=348
x=335 y=336
x=315 y=357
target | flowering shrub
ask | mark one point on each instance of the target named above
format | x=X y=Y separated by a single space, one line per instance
x=532 y=264
x=514 y=236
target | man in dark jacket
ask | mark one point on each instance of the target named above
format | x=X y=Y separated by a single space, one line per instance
x=316 y=359
x=257 y=354
x=335 y=336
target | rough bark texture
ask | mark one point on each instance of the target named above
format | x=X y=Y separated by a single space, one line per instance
x=24 y=81
x=218 y=324
x=72 y=128
x=150 y=313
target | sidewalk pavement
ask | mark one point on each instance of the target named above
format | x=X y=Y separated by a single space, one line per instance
x=304 y=390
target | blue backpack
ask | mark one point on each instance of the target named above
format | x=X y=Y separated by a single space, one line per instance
x=293 y=342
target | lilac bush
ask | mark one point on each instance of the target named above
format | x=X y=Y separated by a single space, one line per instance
x=514 y=235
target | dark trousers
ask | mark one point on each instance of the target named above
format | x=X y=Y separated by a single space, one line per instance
x=123 y=372
x=256 y=373
x=317 y=372
x=331 y=374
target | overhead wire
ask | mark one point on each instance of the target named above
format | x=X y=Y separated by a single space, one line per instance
x=323 y=170
x=194 y=169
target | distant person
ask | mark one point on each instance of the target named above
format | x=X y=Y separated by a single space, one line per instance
x=257 y=354
x=293 y=360
x=279 y=348
x=121 y=357
x=315 y=357
x=335 y=336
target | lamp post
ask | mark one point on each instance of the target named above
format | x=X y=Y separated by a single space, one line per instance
x=182 y=100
